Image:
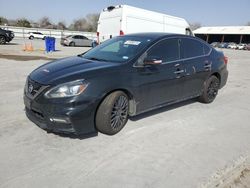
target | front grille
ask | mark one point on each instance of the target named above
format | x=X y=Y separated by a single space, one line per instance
x=34 y=88
x=38 y=114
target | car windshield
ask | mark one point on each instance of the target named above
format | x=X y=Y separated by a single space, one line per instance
x=119 y=49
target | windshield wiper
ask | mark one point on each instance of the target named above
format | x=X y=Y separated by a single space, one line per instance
x=96 y=59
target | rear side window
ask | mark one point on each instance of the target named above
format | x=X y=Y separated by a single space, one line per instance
x=193 y=48
x=167 y=50
x=207 y=49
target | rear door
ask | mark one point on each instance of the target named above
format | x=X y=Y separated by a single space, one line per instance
x=197 y=65
x=77 y=40
x=109 y=27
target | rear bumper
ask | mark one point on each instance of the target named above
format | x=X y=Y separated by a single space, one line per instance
x=60 y=118
x=224 y=77
x=64 y=42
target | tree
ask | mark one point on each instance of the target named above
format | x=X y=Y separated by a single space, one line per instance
x=85 y=24
x=194 y=26
x=23 y=23
x=46 y=23
x=3 y=20
x=61 y=25
x=79 y=25
x=92 y=20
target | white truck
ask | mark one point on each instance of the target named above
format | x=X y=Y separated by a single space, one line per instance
x=124 y=19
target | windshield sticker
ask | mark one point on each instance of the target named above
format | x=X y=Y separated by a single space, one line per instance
x=132 y=42
x=125 y=57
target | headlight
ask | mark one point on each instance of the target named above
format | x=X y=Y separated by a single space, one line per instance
x=67 y=89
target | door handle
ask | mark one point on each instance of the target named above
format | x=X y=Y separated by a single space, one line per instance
x=179 y=71
x=207 y=66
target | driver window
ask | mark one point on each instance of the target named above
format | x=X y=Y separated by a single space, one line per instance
x=167 y=50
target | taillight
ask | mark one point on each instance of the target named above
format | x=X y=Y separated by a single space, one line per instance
x=121 y=33
x=225 y=59
x=98 y=34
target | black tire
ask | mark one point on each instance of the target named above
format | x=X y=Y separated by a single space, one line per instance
x=210 y=90
x=31 y=37
x=43 y=38
x=112 y=114
x=72 y=44
x=2 y=40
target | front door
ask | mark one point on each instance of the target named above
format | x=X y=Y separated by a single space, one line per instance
x=162 y=83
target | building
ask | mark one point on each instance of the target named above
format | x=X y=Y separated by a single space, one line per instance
x=237 y=34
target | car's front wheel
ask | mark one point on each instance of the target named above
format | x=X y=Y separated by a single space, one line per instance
x=112 y=114
x=31 y=37
x=2 y=40
x=210 y=90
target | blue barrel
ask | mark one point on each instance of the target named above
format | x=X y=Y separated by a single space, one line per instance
x=53 y=44
x=47 y=46
x=50 y=44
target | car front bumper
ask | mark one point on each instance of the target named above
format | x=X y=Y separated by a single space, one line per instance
x=62 y=118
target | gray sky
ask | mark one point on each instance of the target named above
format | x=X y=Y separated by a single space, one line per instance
x=208 y=13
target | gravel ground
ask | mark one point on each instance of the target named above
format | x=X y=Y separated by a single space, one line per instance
x=184 y=145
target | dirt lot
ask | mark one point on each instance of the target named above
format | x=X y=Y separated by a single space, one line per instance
x=14 y=50
x=184 y=145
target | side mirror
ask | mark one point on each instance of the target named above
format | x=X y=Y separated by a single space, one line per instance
x=152 y=61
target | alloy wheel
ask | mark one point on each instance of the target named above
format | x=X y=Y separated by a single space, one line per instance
x=119 y=113
x=212 y=90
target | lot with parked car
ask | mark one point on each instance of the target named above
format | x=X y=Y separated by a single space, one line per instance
x=231 y=45
x=184 y=145
x=15 y=50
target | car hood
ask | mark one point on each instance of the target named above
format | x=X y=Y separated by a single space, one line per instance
x=67 y=69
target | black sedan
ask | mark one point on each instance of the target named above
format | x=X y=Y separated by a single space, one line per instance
x=122 y=77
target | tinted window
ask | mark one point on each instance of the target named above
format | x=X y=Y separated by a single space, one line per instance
x=167 y=50
x=206 y=49
x=75 y=37
x=191 y=48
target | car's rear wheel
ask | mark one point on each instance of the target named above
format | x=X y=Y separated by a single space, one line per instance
x=31 y=37
x=72 y=44
x=2 y=40
x=112 y=114
x=210 y=90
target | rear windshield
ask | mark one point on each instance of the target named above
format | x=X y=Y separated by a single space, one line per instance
x=119 y=49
